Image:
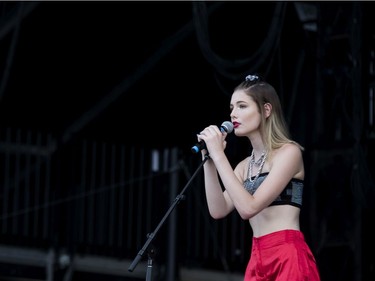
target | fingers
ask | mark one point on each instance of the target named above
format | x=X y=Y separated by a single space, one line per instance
x=210 y=130
x=212 y=135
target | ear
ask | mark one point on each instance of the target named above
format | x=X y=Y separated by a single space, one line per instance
x=267 y=109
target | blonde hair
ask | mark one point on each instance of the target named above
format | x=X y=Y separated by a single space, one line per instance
x=274 y=129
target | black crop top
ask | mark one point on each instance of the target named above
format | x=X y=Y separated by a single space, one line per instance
x=291 y=195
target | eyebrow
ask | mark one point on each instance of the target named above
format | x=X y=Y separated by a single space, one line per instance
x=238 y=102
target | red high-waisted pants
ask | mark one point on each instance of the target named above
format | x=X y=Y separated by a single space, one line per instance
x=281 y=256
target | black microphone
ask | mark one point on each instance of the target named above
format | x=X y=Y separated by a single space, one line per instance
x=227 y=127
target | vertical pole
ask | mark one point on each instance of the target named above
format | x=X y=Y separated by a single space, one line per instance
x=171 y=257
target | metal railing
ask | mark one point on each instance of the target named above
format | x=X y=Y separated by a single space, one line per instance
x=91 y=199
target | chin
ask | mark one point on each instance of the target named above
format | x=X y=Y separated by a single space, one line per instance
x=240 y=133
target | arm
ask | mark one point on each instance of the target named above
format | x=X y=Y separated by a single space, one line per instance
x=218 y=201
x=286 y=163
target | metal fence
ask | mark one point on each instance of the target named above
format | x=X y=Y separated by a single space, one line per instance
x=91 y=199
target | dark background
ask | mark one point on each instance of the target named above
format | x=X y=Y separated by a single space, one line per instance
x=134 y=71
x=152 y=74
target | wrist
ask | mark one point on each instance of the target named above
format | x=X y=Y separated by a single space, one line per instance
x=218 y=156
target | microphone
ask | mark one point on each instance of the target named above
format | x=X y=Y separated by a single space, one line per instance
x=227 y=127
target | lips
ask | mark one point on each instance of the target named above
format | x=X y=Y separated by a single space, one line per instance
x=235 y=124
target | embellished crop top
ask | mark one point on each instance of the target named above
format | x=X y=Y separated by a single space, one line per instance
x=291 y=195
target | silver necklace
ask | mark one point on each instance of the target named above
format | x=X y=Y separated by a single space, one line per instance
x=260 y=162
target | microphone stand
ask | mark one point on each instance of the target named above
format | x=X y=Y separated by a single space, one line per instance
x=151 y=236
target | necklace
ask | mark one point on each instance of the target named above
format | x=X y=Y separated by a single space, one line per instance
x=260 y=162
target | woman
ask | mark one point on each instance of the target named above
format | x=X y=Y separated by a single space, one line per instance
x=265 y=188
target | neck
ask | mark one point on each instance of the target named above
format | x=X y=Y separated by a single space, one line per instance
x=258 y=153
x=258 y=146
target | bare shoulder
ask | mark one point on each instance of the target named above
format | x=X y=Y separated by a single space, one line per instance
x=290 y=149
x=289 y=156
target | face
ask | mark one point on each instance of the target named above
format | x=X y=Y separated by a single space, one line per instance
x=244 y=114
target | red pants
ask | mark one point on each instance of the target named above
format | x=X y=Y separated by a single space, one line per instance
x=283 y=256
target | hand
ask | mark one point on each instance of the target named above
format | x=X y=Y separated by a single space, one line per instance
x=214 y=139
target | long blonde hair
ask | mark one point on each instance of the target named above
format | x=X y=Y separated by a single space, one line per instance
x=274 y=129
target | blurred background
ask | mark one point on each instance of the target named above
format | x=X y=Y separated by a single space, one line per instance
x=100 y=103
